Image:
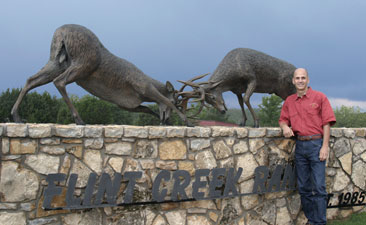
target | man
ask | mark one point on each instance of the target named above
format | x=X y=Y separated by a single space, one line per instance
x=307 y=115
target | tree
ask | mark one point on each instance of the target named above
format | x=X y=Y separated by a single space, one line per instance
x=270 y=111
x=349 y=117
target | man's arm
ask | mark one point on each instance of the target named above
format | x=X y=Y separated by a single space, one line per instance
x=324 y=151
x=287 y=131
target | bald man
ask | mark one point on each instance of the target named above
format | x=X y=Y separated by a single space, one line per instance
x=307 y=115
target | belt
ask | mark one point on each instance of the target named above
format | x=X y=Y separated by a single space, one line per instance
x=308 y=138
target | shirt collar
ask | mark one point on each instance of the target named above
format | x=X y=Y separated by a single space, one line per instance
x=308 y=93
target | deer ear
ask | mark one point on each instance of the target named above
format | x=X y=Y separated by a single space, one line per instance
x=169 y=86
x=213 y=85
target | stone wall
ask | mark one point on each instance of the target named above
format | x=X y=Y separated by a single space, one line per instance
x=31 y=151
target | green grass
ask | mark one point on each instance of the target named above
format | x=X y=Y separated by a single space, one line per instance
x=355 y=219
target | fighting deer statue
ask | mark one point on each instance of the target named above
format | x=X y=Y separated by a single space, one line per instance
x=246 y=71
x=78 y=56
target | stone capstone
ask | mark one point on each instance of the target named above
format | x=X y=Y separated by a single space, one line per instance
x=113 y=131
x=17 y=184
x=40 y=130
x=93 y=131
x=135 y=131
x=16 y=130
x=69 y=131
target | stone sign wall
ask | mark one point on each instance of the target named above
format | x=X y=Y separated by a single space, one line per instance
x=29 y=152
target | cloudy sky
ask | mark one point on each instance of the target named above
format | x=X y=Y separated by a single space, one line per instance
x=171 y=40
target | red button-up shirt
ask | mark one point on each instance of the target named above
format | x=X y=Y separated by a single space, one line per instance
x=308 y=114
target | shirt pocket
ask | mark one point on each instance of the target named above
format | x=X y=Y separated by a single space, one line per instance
x=313 y=111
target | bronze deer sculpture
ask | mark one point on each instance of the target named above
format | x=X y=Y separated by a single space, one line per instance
x=247 y=71
x=78 y=56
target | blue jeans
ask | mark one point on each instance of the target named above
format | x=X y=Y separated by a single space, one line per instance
x=310 y=173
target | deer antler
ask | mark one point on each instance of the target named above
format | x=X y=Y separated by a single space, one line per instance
x=198 y=93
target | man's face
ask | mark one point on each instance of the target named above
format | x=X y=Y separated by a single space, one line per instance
x=300 y=80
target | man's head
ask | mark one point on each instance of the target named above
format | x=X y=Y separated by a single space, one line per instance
x=300 y=79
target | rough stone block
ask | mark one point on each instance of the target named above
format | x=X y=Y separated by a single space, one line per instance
x=50 y=141
x=341 y=147
x=116 y=163
x=17 y=184
x=147 y=164
x=241 y=147
x=93 y=159
x=166 y=165
x=95 y=143
x=135 y=131
x=145 y=149
x=199 y=144
x=42 y=163
x=53 y=150
x=205 y=160
x=170 y=150
x=69 y=131
x=16 y=130
x=93 y=131
x=119 y=148
x=221 y=150
x=23 y=146
x=40 y=130
x=248 y=162
x=186 y=165
x=17 y=218
x=5 y=145
x=76 y=150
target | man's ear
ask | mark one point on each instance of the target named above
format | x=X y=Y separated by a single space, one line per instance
x=169 y=86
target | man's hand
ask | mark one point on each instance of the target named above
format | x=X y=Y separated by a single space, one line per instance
x=323 y=154
x=287 y=131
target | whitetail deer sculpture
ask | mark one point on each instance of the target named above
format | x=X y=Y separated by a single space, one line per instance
x=247 y=71
x=78 y=56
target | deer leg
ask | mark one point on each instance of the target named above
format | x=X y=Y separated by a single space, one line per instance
x=44 y=76
x=248 y=93
x=241 y=103
x=158 y=97
x=71 y=74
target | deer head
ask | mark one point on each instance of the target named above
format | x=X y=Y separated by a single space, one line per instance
x=202 y=92
x=164 y=110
